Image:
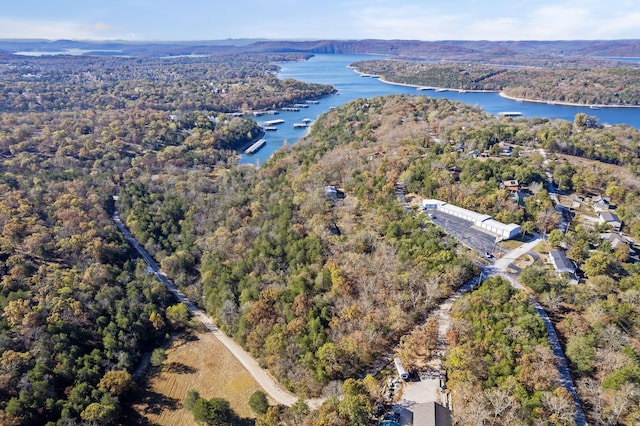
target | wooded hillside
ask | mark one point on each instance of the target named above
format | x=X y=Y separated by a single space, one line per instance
x=617 y=86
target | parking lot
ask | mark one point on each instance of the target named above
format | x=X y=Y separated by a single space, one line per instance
x=464 y=231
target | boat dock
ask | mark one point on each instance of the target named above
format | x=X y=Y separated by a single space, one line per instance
x=301 y=105
x=299 y=125
x=313 y=102
x=270 y=128
x=255 y=147
x=273 y=122
x=510 y=114
x=290 y=109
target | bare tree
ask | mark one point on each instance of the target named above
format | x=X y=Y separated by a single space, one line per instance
x=502 y=401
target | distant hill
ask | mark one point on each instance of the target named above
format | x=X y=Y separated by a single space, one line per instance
x=541 y=53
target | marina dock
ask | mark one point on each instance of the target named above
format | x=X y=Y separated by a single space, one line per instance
x=255 y=147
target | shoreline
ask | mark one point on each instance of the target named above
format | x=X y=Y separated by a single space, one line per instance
x=574 y=104
x=433 y=88
x=499 y=92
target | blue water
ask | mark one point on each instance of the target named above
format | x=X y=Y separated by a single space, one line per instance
x=332 y=69
x=624 y=59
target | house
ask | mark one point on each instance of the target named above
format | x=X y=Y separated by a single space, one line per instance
x=562 y=264
x=431 y=414
x=615 y=239
x=455 y=172
x=331 y=192
x=511 y=185
x=610 y=219
x=600 y=203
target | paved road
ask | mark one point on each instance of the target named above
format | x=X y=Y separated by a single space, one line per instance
x=500 y=268
x=479 y=241
x=561 y=362
x=262 y=376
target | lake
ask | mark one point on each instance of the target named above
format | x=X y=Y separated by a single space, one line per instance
x=332 y=69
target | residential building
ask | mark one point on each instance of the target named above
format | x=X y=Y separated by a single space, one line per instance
x=431 y=414
x=563 y=265
x=610 y=219
x=511 y=185
x=600 y=203
x=615 y=239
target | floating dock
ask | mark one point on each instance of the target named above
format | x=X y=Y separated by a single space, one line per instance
x=510 y=114
x=255 y=147
x=290 y=109
x=273 y=122
x=301 y=105
x=270 y=128
x=299 y=125
x=313 y=102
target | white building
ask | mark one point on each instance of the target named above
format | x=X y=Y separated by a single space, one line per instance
x=484 y=221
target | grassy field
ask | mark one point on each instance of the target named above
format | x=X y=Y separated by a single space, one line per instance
x=197 y=361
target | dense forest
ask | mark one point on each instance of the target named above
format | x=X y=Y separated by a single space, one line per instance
x=501 y=368
x=78 y=313
x=236 y=83
x=585 y=86
x=317 y=287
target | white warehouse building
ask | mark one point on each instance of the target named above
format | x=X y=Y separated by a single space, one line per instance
x=483 y=221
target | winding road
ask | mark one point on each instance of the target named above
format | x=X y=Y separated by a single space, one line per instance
x=500 y=268
x=443 y=314
x=262 y=376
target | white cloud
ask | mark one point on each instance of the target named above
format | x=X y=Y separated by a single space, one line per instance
x=408 y=22
x=538 y=21
x=55 y=30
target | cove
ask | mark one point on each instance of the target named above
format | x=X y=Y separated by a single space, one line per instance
x=333 y=69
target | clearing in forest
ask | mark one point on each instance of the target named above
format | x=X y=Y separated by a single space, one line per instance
x=195 y=361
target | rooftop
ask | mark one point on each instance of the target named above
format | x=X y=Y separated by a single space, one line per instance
x=609 y=217
x=561 y=262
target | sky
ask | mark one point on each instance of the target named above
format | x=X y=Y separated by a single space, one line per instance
x=162 y=20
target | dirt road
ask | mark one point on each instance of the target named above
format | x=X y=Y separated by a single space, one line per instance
x=262 y=376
